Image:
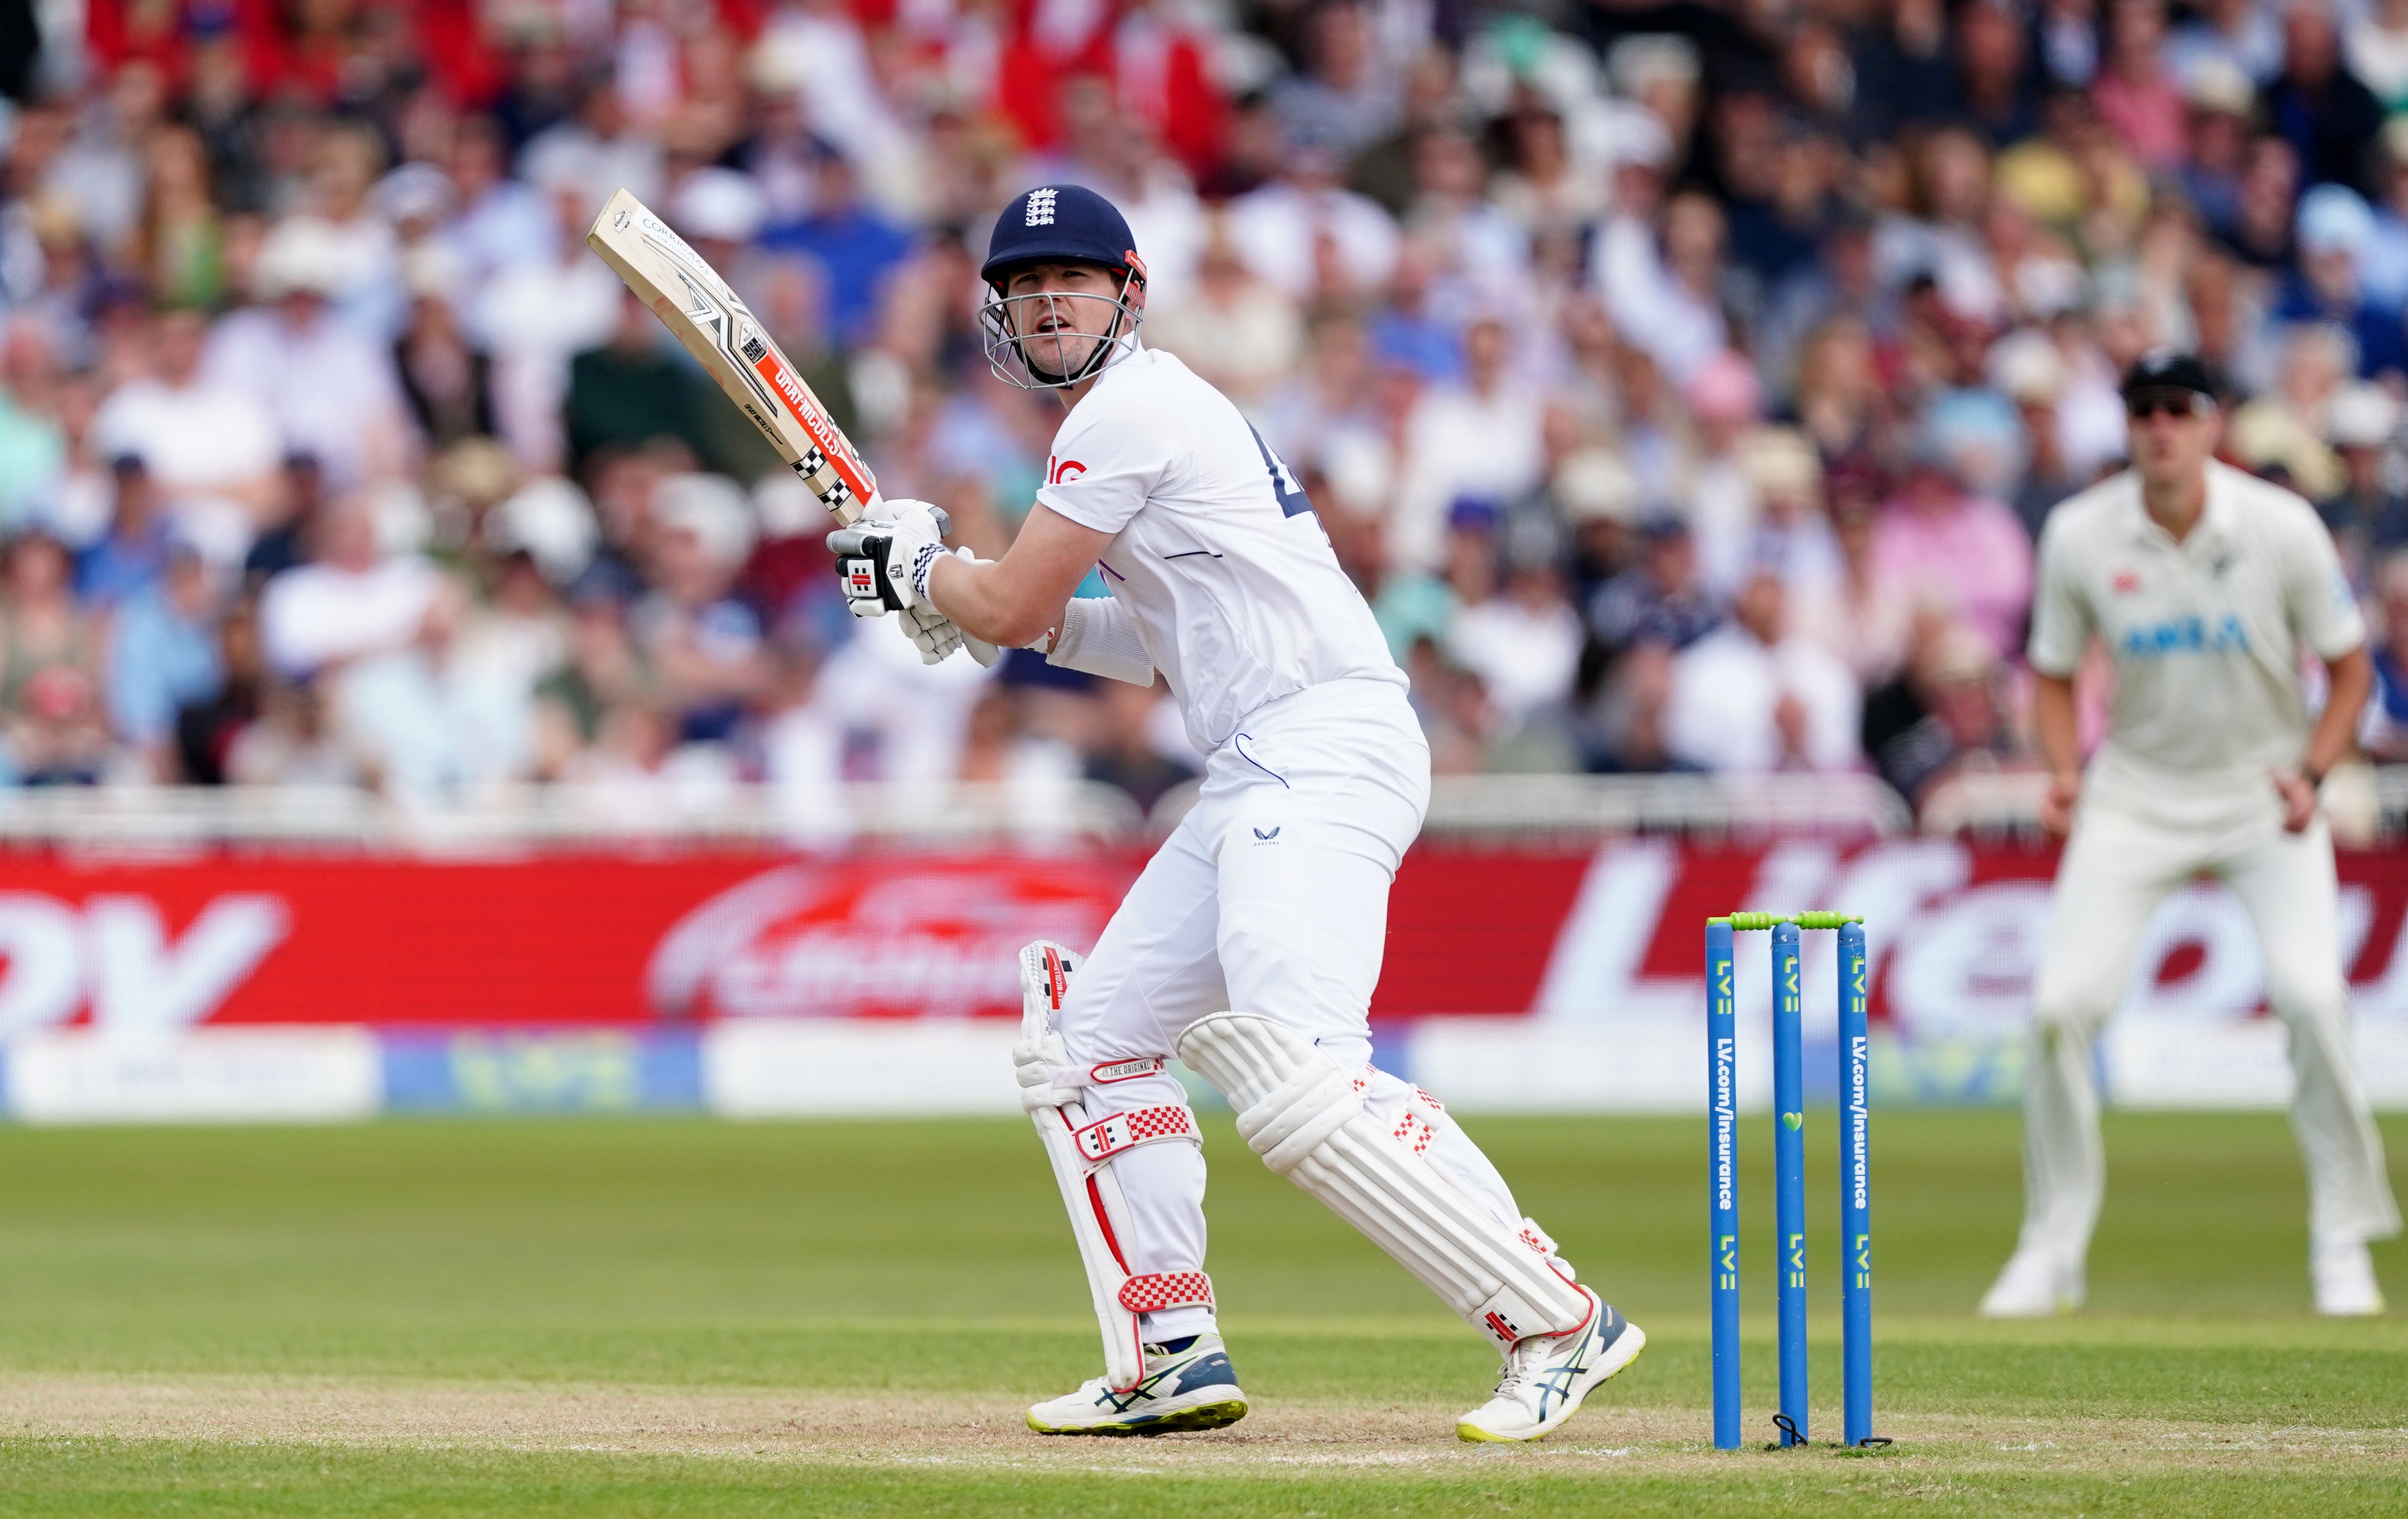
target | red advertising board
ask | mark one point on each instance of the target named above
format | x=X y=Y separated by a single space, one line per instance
x=1571 y=933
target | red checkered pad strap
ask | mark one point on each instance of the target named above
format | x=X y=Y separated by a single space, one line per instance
x=1172 y=1289
x=1105 y=1138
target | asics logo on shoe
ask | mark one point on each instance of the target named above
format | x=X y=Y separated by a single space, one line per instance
x=1141 y=1393
x=1556 y=1384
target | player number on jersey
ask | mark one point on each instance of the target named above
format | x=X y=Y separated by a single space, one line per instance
x=1291 y=497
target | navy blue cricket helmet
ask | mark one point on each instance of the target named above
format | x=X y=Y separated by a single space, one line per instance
x=1060 y=224
x=1026 y=343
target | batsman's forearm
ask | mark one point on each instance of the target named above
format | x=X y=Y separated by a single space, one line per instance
x=986 y=603
x=2054 y=728
x=2353 y=681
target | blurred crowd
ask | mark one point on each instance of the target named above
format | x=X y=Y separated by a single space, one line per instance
x=1683 y=383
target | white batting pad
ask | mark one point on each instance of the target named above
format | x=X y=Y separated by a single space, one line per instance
x=1080 y=1152
x=1305 y=1116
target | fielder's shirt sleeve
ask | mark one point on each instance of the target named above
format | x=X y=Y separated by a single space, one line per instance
x=2315 y=594
x=2061 y=620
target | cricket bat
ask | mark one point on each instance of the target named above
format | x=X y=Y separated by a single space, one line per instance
x=695 y=305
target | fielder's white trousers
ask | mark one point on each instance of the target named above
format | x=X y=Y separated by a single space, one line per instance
x=2137 y=837
x=1271 y=898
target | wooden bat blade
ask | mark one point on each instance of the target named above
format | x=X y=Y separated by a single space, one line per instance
x=697 y=305
x=707 y=317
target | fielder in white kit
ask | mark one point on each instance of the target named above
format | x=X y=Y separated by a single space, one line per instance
x=1250 y=945
x=2205 y=584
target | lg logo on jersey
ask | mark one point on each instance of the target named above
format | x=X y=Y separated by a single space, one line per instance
x=1057 y=473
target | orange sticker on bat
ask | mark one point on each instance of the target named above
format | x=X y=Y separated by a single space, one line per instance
x=806 y=410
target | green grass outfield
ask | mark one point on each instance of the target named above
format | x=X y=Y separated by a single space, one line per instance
x=679 y=1316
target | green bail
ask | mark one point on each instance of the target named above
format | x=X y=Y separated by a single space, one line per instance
x=1743 y=922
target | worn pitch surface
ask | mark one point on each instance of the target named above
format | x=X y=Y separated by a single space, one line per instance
x=679 y=1316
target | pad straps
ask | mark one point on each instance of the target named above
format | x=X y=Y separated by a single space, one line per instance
x=1166 y=1289
x=1117 y=1132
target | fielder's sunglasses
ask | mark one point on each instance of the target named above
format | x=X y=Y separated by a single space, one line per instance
x=2142 y=404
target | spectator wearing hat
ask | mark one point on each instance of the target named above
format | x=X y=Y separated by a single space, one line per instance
x=1790 y=532
x=1413 y=605
x=340 y=205
x=2369 y=514
x=1239 y=332
x=2334 y=229
x=1524 y=642
x=704 y=643
x=1753 y=697
x=2221 y=102
x=2284 y=428
x=1724 y=398
x=134 y=552
x=2029 y=371
x=1598 y=498
x=1939 y=714
x=291 y=539
x=1657 y=601
x=446 y=379
x=330 y=388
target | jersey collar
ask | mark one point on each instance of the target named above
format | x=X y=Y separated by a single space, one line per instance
x=2218 y=519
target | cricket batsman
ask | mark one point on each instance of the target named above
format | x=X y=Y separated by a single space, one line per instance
x=1250 y=944
x=2205 y=584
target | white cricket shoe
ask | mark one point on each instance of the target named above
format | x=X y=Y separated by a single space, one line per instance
x=2344 y=1273
x=1188 y=1388
x=1547 y=1377
x=2034 y=1285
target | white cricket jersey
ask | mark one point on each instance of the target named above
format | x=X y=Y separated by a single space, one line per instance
x=2206 y=632
x=1217 y=553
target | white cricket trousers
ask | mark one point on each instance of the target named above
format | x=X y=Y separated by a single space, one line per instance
x=2135 y=838
x=1271 y=898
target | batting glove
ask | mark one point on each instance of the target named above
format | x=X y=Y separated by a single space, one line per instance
x=882 y=561
x=933 y=632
